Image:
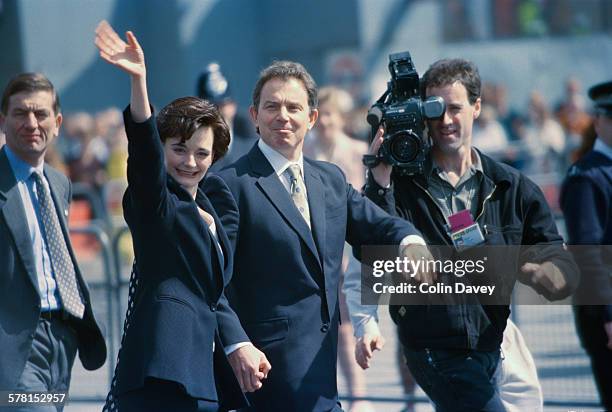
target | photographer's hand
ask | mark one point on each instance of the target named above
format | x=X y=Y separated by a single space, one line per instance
x=382 y=172
x=547 y=275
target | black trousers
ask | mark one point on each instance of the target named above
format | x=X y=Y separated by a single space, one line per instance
x=159 y=395
x=590 y=327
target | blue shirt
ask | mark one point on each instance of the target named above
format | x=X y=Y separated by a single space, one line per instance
x=47 y=288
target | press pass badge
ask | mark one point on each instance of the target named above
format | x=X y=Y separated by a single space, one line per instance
x=464 y=232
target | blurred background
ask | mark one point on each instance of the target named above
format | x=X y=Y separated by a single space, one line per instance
x=536 y=58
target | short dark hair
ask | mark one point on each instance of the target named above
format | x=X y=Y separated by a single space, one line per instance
x=29 y=82
x=183 y=116
x=283 y=69
x=448 y=71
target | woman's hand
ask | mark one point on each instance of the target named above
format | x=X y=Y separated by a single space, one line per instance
x=127 y=56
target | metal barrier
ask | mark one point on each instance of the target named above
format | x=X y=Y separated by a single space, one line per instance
x=106 y=282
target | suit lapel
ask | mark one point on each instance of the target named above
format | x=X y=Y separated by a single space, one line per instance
x=316 y=203
x=274 y=190
x=222 y=248
x=15 y=217
x=59 y=195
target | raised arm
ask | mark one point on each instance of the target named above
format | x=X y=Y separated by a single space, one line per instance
x=129 y=57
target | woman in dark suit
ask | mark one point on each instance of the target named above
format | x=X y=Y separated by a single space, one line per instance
x=171 y=357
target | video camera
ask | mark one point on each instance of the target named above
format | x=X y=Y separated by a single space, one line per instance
x=402 y=112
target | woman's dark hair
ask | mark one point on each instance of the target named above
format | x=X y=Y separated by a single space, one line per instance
x=183 y=116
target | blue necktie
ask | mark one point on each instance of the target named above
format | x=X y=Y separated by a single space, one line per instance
x=63 y=269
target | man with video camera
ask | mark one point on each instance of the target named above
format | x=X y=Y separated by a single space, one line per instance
x=454 y=350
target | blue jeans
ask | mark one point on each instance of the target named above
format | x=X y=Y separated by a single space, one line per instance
x=457 y=380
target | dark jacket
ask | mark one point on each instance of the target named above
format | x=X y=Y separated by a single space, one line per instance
x=586 y=200
x=512 y=211
x=180 y=297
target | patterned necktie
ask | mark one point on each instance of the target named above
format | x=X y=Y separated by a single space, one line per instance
x=63 y=268
x=298 y=191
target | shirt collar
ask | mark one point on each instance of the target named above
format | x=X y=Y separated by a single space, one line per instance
x=602 y=148
x=476 y=166
x=22 y=170
x=279 y=162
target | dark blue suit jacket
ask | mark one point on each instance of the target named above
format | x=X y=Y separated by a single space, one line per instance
x=19 y=297
x=182 y=276
x=285 y=283
x=240 y=146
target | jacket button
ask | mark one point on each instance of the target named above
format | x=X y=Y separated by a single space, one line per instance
x=213 y=307
x=325 y=327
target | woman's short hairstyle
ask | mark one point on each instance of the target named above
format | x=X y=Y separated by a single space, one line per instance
x=183 y=116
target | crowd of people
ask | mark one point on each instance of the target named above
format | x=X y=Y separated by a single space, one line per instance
x=544 y=138
x=236 y=293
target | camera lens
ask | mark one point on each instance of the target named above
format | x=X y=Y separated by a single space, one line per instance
x=404 y=146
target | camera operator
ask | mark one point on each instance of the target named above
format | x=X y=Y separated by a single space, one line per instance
x=454 y=350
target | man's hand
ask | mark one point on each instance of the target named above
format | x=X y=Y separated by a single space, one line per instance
x=365 y=347
x=546 y=274
x=608 y=329
x=415 y=253
x=250 y=366
x=382 y=172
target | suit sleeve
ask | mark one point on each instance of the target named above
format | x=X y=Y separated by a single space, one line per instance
x=368 y=224
x=146 y=170
x=225 y=205
x=230 y=328
x=382 y=197
x=586 y=210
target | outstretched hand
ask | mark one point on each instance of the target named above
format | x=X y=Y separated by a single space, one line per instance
x=127 y=56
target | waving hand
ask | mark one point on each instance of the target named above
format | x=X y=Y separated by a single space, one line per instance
x=127 y=56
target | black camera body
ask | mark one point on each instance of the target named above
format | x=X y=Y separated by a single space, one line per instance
x=402 y=112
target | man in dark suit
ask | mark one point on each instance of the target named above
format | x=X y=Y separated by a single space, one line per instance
x=295 y=215
x=45 y=310
x=586 y=200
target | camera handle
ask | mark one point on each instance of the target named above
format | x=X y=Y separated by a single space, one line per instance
x=375 y=119
x=370 y=161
